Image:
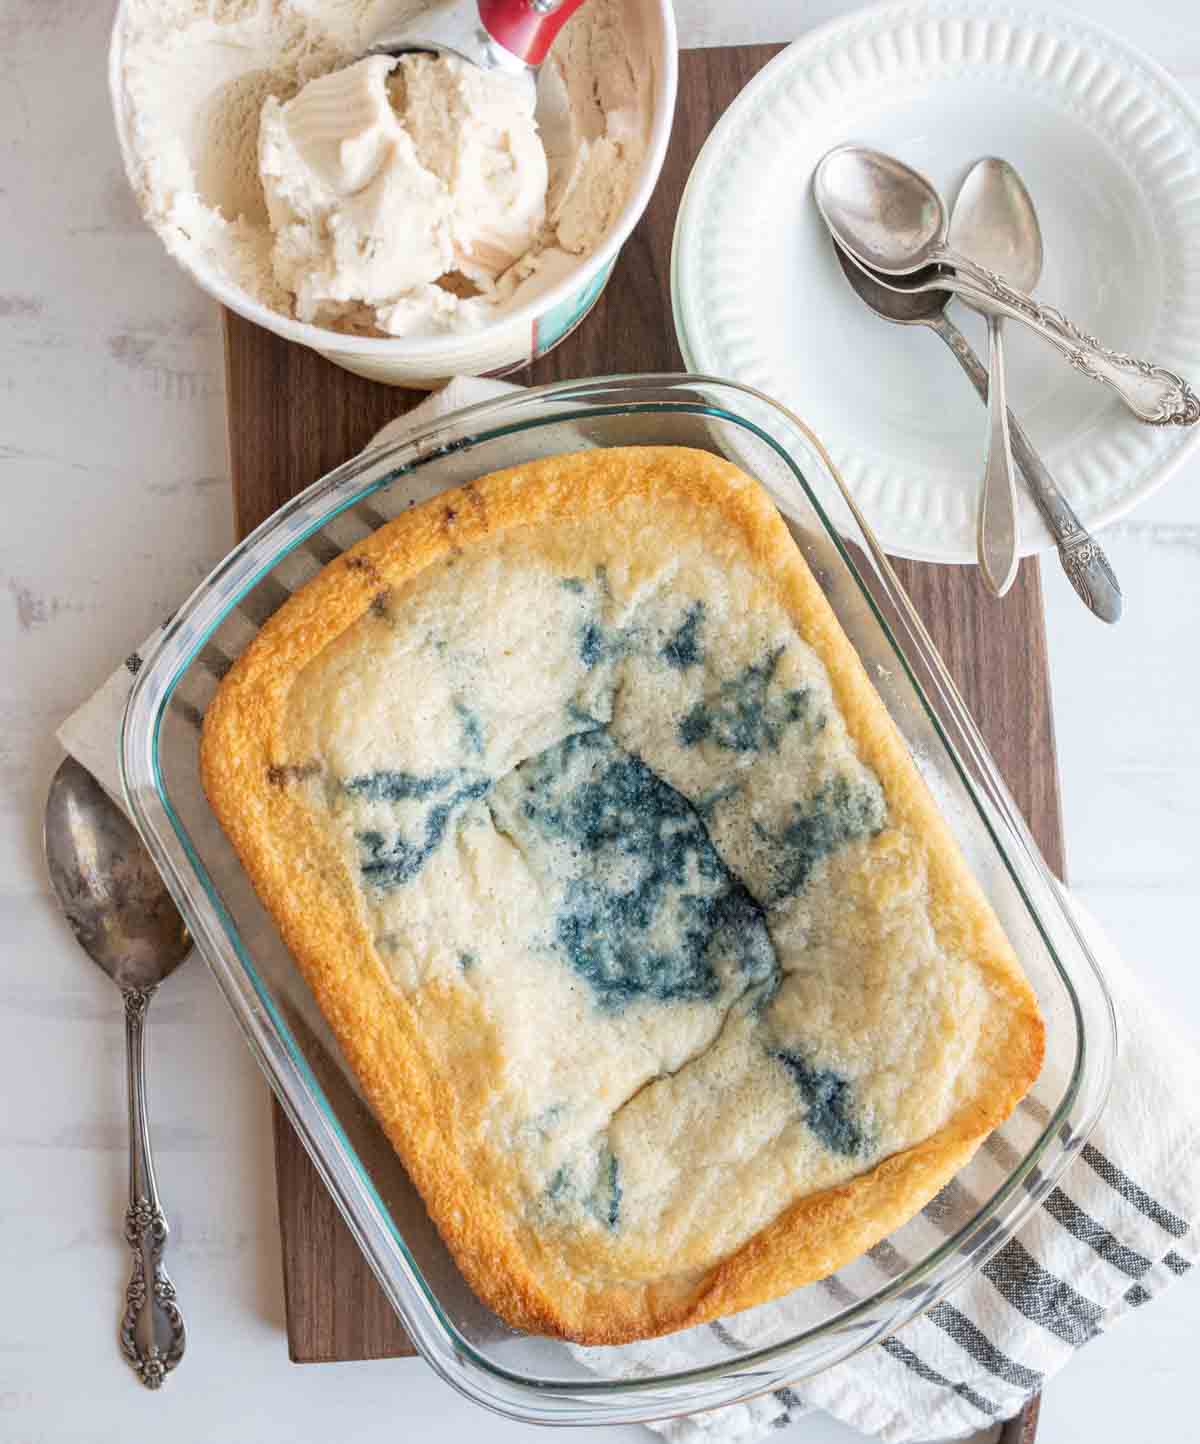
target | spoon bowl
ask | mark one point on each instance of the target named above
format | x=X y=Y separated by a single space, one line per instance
x=994 y=223
x=117 y=905
x=882 y=211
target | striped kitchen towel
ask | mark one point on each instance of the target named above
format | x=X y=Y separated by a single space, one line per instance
x=1114 y=1233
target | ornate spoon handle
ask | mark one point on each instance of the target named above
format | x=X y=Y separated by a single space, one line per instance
x=1152 y=393
x=1082 y=556
x=151 y=1333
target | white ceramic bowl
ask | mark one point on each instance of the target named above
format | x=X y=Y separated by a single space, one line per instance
x=517 y=336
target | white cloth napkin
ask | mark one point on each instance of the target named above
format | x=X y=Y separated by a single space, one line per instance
x=1114 y=1234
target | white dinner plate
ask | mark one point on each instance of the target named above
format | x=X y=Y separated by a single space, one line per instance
x=1109 y=148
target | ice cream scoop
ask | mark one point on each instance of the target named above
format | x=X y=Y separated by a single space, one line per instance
x=509 y=35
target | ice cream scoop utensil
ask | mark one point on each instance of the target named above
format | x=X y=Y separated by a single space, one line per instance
x=509 y=35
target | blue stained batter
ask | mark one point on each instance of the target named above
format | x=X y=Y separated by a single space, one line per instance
x=749 y=713
x=472 y=728
x=602 y=1198
x=682 y=649
x=642 y=906
x=710 y=801
x=838 y=813
x=398 y=786
x=606 y=1196
x=387 y=862
x=829 y=1099
x=593 y=647
x=580 y=719
x=648 y=907
x=598 y=643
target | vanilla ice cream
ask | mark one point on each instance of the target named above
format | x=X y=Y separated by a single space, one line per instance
x=385 y=177
x=368 y=195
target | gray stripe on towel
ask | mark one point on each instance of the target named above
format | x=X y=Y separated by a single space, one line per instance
x=976 y=1343
x=791 y=1401
x=912 y=1361
x=1041 y=1297
x=1169 y=1222
x=263 y=600
x=961 y=1329
x=904 y=1356
x=1095 y=1235
x=321 y=549
x=1073 y=1218
x=213 y=660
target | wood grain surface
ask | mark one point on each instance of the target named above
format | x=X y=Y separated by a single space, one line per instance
x=293 y=416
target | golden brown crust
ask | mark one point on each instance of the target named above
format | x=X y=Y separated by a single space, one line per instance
x=305 y=886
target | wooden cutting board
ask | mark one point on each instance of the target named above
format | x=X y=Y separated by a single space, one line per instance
x=294 y=416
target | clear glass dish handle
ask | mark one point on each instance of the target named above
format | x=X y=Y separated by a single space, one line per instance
x=152 y=1332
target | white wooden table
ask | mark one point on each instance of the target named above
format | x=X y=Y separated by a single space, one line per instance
x=114 y=503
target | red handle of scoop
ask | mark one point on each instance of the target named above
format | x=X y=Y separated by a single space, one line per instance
x=526 y=27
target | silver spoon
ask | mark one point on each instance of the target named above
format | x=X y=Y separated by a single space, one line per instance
x=1081 y=555
x=994 y=223
x=124 y=919
x=892 y=220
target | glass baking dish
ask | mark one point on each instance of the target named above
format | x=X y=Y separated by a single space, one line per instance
x=539 y=1379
